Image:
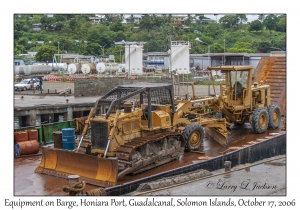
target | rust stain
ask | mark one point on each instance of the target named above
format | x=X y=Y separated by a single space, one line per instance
x=272 y=71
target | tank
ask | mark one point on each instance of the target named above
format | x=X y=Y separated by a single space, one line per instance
x=58 y=66
x=90 y=66
x=134 y=59
x=104 y=68
x=180 y=57
x=74 y=68
x=100 y=68
x=68 y=138
x=20 y=69
x=38 y=69
x=87 y=68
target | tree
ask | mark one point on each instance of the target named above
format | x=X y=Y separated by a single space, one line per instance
x=46 y=21
x=93 y=49
x=45 y=53
x=117 y=25
x=59 y=26
x=242 y=18
x=229 y=21
x=146 y=22
x=59 y=18
x=108 y=19
x=189 y=20
x=270 y=22
x=255 y=25
x=93 y=35
x=200 y=17
x=241 y=47
x=281 y=24
x=73 y=24
x=213 y=29
x=261 y=17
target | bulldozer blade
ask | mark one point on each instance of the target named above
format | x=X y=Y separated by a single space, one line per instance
x=94 y=170
x=217 y=136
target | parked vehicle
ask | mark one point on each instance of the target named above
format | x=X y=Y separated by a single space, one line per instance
x=26 y=85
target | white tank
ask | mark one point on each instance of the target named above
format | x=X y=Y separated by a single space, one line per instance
x=180 y=57
x=104 y=68
x=74 y=68
x=111 y=68
x=134 y=59
x=58 y=66
x=100 y=68
x=85 y=68
x=20 y=69
x=38 y=69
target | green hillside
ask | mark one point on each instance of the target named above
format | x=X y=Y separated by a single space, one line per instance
x=75 y=33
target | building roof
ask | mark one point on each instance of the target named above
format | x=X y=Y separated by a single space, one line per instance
x=231 y=54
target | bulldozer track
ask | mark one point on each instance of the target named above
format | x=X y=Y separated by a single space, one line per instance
x=162 y=162
x=145 y=153
x=125 y=151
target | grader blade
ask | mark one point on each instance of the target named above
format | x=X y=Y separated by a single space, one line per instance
x=92 y=169
x=221 y=138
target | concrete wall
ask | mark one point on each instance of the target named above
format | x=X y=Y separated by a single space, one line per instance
x=100 y=86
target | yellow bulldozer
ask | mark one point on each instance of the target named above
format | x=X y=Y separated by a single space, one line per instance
x=140 y=126
x=135 y=128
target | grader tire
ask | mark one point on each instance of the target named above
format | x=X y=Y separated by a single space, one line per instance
x=260 y=120
x=193 y=134
x=274 y=116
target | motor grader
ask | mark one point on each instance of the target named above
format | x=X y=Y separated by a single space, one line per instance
x=135 y=128
x=241 y=101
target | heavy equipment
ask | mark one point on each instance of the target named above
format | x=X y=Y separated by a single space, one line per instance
x=241 y=101
x=137 y=127
x=134 y=128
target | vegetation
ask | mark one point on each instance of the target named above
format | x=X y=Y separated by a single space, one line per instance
x=75 y=33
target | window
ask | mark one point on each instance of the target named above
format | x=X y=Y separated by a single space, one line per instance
x=239 y=76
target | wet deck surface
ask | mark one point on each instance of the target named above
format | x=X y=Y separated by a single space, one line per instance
x=27 y=182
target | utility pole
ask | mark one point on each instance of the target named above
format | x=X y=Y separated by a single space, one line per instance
x=224 y=53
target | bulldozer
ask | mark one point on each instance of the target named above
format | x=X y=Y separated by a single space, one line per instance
x=134 y=128
x=141 y=126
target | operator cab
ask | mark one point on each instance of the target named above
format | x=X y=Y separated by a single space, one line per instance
x=238 y=83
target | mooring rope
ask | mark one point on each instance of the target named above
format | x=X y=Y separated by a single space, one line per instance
x=75 y=187
x=96 y=192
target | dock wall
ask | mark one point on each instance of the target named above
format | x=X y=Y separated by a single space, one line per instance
x=100 y=86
